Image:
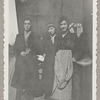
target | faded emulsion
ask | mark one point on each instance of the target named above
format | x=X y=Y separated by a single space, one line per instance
x=50 y=50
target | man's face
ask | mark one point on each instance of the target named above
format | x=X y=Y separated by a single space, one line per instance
x=63 y=25
x=51 y=30
x=27 y=25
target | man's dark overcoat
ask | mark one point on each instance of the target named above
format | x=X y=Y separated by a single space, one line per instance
x=26 y=67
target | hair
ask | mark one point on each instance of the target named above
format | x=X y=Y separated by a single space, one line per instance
x=64 y=18
x=27 y=19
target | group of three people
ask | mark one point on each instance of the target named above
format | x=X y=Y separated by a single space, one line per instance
x=44 y=64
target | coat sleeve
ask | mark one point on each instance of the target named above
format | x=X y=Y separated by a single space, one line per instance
x=18 y=45
x=76 y=51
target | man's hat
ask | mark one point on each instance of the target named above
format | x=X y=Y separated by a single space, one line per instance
x=50 y=25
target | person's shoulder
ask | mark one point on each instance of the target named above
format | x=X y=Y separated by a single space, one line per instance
x=17 y=36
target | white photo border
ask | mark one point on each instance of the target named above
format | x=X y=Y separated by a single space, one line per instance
x=6 y=50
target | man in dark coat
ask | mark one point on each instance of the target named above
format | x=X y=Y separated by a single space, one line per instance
x=77 y=53
x=25 y=76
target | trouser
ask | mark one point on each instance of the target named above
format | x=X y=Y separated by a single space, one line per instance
x=29 y=95
x=19 y=94
x=47 y=82
x=76 y=82
x=24 y=95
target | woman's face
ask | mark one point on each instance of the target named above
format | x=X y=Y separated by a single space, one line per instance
x=63 y=25
x=79 y=29
x=51 y=30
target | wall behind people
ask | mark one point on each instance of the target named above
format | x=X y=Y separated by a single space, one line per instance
x=42 y=12
x=86 y=44
x=49 y=11
x=87 y=21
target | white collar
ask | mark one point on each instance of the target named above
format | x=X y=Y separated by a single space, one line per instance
x=26 y=35
x=25 y=32
x=53 y=36
x=63 y=35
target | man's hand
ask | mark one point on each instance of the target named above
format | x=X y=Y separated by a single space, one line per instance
x=73 y=59
x=23 y=53
x=72 y=30
x=62 y=84
x=40 y=57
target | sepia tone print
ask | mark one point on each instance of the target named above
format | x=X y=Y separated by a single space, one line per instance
x=50 y=49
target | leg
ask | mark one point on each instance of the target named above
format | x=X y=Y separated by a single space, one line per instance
x=76 y=83
x=29 y=95
x=19 y=94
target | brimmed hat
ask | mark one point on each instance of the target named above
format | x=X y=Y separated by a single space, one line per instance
x=50 y=25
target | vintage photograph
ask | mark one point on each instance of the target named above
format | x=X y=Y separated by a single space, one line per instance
x=50 y=50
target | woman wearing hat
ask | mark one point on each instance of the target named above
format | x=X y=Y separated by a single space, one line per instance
x=48 y=64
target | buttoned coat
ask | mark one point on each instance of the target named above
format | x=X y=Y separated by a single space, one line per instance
x=26 y=67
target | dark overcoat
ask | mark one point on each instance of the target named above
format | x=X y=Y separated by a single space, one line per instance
x=76 y=49
x=26 y=67
x=48 y=65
